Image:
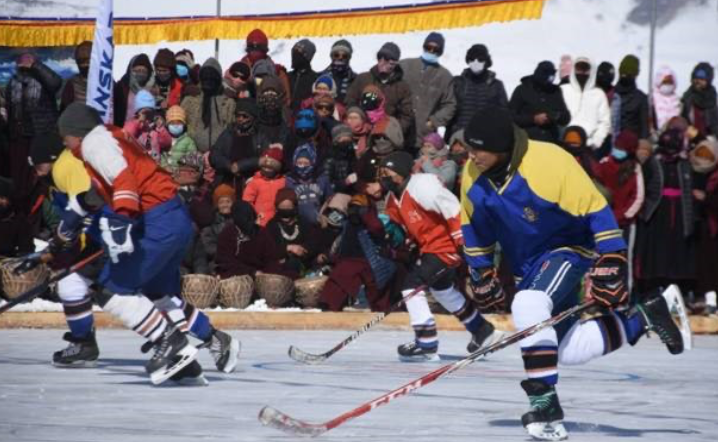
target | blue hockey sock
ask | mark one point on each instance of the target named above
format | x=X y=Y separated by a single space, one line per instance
x=78 y=315
x=633 y=325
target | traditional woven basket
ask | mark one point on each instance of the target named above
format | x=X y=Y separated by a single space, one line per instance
x=15 y=285
x=200 y=290
x=308 y=290
x=236 y=292
x=277 y=290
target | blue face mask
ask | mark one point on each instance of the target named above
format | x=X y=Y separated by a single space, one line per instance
x=430 y=58
x=619 y=154
x=176 y=129
x=182 y=71
x=303 y=171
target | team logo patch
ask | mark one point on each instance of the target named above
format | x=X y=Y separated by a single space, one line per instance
x=530 y=215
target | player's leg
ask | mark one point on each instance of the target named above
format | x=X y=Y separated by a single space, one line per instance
x=425 y=345
x=82 y=351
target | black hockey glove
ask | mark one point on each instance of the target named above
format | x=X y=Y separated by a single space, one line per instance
x=488 y=293
x=609 y=279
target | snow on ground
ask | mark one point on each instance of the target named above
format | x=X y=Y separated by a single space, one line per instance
x=595 y=28
x=637 y=394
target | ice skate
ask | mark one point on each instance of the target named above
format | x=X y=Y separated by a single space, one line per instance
x=677 y=307
x=545 y=419
x=172 y=353
x=224 y=350
x=657 y=317
x=190 y=376
x=81 y=353
x=485 y=336
x=412 y=352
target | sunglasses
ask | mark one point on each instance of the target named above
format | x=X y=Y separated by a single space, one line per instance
x=324 y=107
x=239 y=75
x=255 y=47
x=380 y=138
x=387 y=58
x=432 y=49
x=340 y=56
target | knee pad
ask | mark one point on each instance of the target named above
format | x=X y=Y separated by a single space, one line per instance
x=530 y=307
x=451 y=299
x=73 y=288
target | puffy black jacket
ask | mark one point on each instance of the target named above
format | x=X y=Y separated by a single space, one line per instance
x=634 y=110
x=32 y=101
x=474 y=93
x=530 y=99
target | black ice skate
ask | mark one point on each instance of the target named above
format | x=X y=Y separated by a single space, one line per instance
x=657 y=318
x=190 y=376
x=544 y=420
x=224 y=349
x=485 y=336
x=81 y=353
x=172 y=353
x=412 y=352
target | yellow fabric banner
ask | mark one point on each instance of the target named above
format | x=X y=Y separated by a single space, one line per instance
x=423 y=17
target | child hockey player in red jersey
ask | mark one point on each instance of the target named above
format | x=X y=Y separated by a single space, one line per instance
x=429 y=213
x=145 y=233
x=534 y=200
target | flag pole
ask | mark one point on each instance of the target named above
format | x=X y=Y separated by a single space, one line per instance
x=216 y=40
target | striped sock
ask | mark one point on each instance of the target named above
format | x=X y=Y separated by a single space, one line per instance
x=610 y=326
x=421 y=320
x=426 y=335
x=198 y=322
x=79 y=317
x=453 y=301
x=541 y=362
x=470 y=317
x=139 y=314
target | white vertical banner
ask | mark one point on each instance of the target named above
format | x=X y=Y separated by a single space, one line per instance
x=99 y=79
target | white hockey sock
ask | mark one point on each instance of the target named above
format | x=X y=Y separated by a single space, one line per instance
x=421 y=319
x=453 y=301
x=540 y=350
x=591 y=339
x=172 y=308
x=137 y=313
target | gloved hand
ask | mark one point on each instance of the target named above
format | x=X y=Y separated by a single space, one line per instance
x=26 y=263
x=116 y=233
x=488 y=293
x=609 y=279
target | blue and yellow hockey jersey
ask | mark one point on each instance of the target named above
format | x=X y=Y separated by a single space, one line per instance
x=547 y=203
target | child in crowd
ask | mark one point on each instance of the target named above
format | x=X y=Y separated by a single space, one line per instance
x=262 y=188
x=182 y=143
x=148 y=127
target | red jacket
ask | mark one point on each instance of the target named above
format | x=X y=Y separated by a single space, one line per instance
x=627 y=199
x=260 y=193
x=430 y=215
x=124 y=174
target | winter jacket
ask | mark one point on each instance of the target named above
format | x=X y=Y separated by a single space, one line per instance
x=701 y=110
x=300 y=86
x=260 y=193
x=443 y=168
x=237 y=255
x=123 y=92
x=31 y=101
x=292 y=265
x=634 y=110
x=311 y=195
x=474 y=93
x=222 y=111
x=155 y=141
x=232 y=147
x=397 y=94
x=654 y=172
x=530 y=99
x=75 y=90
x=170 y=95
x=665 y=106
x=210 y=234
x=343 y=82
x=627 y=198
x=588 y=107
x=432 y=95
x=181 y=146
x=338 y=166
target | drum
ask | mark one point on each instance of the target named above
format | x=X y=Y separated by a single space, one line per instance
x=200 y=290
x=277 y=290
x=308 y=290
x=15 y=285
x=236 y=292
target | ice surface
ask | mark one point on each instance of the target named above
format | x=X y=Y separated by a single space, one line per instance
x=637 y=394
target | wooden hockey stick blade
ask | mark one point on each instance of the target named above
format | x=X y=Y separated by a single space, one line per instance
x=271 y=417
x=306 y=358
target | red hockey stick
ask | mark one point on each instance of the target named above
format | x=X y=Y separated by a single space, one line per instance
x=271 y=417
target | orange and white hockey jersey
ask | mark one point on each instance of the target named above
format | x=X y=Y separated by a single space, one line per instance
x=122 y=172
x=430 y=214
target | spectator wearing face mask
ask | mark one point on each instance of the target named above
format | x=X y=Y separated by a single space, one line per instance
x=310 y=184
x=634 y=102
x=211 y=112
x=537 y=105
x=665 y=100
x=700 y=107
x=273 y=121
x=477 y=88
x=187 y=71
x=309 y=128
x=168 y=87
x=139 y=76
x=339 y=164
x=340 y=70
x=238 y=81
x=605 y=77
x=257 y=48
x=587 y=104
x=182 y=143
x=433 y=98
x=388 y=76
x=76 y=87
x=262 y=189
x=235 y=155
x=302 y=76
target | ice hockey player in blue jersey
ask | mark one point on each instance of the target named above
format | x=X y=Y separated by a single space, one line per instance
x=537 y=203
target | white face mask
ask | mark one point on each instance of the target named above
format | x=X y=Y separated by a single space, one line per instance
x=477 y=66
x=667 y=89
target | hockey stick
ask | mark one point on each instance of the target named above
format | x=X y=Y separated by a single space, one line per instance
x=40 y=288
x=313 y=359
x=271 y=417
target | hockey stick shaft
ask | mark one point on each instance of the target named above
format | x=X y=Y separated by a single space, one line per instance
x=40 y=288
x=281 y=421
x=380 y=317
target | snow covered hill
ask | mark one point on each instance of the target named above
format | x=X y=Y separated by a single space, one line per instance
x=599 y=29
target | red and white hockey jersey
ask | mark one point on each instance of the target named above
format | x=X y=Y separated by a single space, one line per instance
x=122 y=172
x=430 y=214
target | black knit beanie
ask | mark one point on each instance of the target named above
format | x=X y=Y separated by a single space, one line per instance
x=400 y=162
x=491 y=130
